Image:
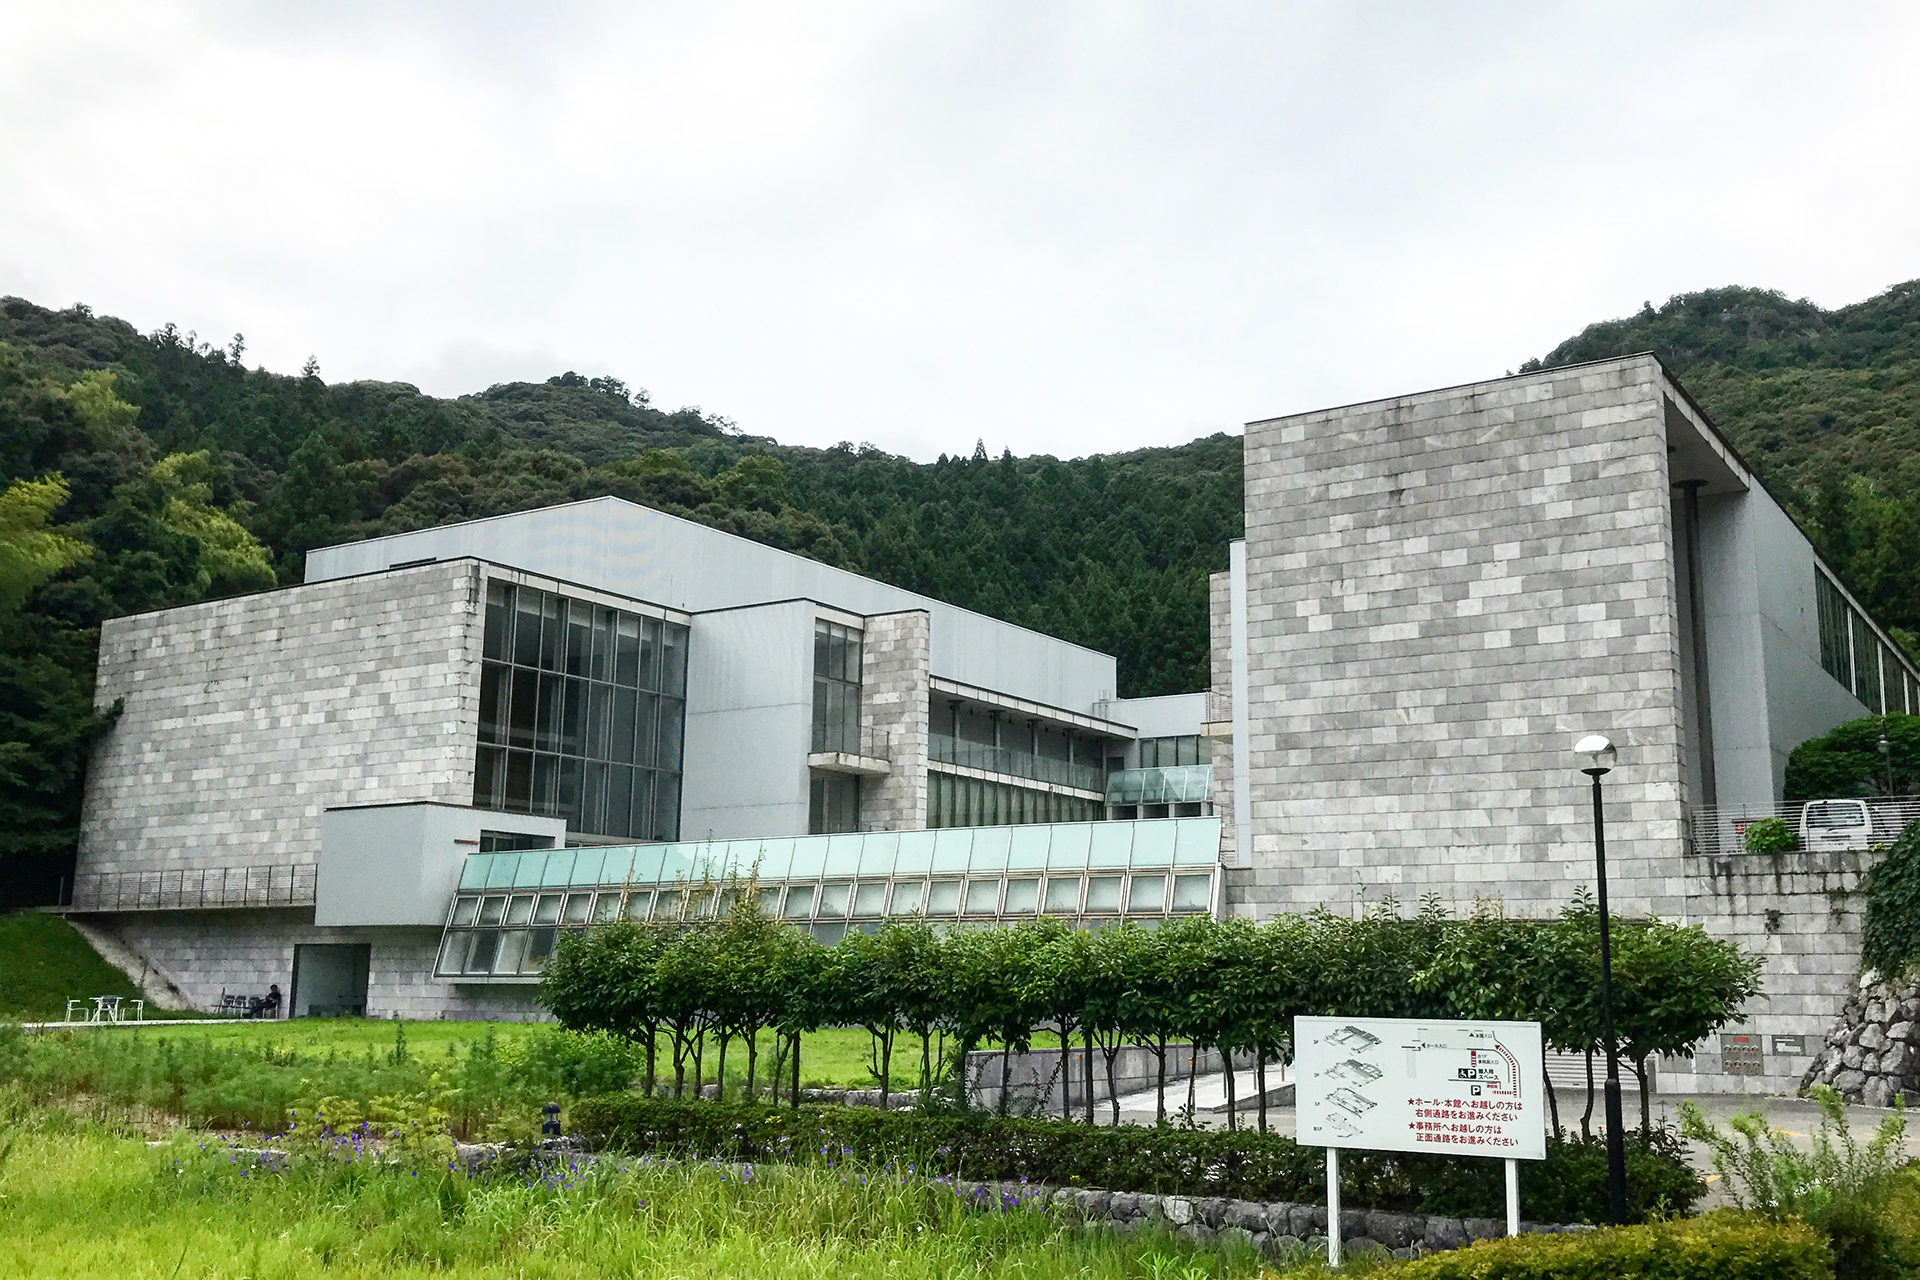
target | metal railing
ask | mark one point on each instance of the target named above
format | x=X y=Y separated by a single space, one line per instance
x=1720 y=830
x=944 y=748
x=285 y=884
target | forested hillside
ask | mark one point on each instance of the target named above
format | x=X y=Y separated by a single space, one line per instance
x=148 y=470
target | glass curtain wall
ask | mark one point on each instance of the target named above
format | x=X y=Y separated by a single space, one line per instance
x=1853 y=654
x=582 y=714
x=836 y=688
x=954 y=801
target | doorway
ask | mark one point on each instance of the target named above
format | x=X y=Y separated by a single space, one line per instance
x=330 y=980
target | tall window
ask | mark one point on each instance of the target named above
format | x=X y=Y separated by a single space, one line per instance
x=836 y=688
x=582 y=714
x=1836 y=645
x=833 y=804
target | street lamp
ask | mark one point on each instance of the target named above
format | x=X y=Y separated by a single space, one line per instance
x=1598 y=749
x=1886 y=755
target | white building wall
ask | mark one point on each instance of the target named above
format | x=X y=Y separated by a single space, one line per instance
x=749 y=722
x=635 y=551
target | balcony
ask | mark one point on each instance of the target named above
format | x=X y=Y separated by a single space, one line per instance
x=283 y=884
x=1169 y=784
x=944 y=748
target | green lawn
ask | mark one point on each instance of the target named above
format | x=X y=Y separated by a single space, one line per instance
x=832 y=1058
x=44 y=963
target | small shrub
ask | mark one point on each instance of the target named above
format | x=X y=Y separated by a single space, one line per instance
x=1719 y=1246
x=1771 y=835
x=1569 y=1185
x=1837 y=1185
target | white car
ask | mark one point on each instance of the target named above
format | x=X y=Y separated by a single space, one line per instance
x=1836 y=824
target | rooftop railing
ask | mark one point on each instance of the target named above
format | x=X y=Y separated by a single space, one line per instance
x=284 y=884
x=1720 y=830
x=944 y=748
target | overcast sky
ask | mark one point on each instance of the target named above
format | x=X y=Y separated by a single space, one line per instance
x=1063 y=228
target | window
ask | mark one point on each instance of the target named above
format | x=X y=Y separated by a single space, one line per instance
x=833 y=804
x=1165 y=753
x=512 y=841
x=582 y=709
x=836 y=689
x=953 y=801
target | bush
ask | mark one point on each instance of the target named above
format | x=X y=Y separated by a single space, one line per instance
x=1846 y=760
x=1838 y=1186
x=1771 y=835
x=1569 y=1186
x=1891 y=938
x=1719 y=1246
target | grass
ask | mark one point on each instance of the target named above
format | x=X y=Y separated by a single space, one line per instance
x=835 y=1057
x=81 y=1200
x=44 y=962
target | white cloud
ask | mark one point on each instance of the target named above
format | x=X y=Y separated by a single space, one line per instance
x=1063 y=228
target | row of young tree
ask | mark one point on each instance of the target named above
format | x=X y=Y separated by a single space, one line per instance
x=1231 y=986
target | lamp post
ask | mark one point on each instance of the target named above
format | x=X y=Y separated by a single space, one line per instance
x=1886 y=755
x=1598 y=749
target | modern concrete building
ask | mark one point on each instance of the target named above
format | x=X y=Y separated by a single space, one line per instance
x=301 y=780
x=386 y=788
x=1439 y=593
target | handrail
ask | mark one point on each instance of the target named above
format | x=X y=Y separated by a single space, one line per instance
x=282 y=884
x=944 y=748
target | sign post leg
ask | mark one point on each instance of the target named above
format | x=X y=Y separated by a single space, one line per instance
x=1333 y=1206
x=1513 y=1197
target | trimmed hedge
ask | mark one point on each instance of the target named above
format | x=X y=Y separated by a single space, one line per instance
x=1718 y=1246
x=1568 y=1186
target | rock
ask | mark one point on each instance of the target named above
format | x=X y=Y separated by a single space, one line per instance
x=1212 y=1211
x=1444 y=1233
x=1849 y=1082
x=1177 y=1209
x=1093 y=1203
x=1365 y=1246
x=1198 y=1232
x=1247 y=1216
x=1484 y=1228
x=1395 y=1230
x=1878 y=1091
x=1904 y=1031
x=1872 y=1038
x=1897 y=1060
x=1855 y=1057
x=1909 y=1009
x=1407 y=1254
x=1304 y=1220
x=1353 y=1223
x=1877 y=1011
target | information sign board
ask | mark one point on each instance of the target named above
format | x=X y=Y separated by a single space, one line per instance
x=1412 y=1084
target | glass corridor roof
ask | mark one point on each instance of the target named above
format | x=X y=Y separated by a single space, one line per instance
x=1161 y=843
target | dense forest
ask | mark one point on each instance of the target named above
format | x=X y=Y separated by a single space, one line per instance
x=139 y=471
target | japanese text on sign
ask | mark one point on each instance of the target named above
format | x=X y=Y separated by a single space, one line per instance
x=1404 y=1084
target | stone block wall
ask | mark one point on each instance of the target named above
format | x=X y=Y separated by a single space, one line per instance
x=896 y=667
x=243 y=952
x=245 y=719
x=1220 y=685
x=1803 y=913
x=1444 y=592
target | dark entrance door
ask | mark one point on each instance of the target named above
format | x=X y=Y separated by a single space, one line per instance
x=330 y=980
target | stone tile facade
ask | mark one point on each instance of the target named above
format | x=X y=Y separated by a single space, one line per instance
x=243 y=720
x=1443 y=592
x=243 y=952
x=895 y=669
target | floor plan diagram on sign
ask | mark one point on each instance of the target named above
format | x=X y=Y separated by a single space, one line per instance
x=1405 y=1084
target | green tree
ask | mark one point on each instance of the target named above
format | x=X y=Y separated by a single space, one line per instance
x=1846 y=760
